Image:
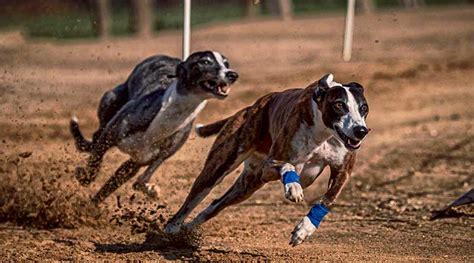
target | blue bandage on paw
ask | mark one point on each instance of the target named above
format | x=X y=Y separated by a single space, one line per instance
x=317 y=213
x=290 y=177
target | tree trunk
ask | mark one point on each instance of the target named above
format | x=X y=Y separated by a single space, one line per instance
x=285 y=8
x=412 y=3
x=100 y=17
x=365 y=6
x=271 y=6
x=141 y=13
x=419 y=3
x=251 y=8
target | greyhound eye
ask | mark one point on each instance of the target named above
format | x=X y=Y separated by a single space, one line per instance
x=205 y=62
x=339 y=106
x=364 y=110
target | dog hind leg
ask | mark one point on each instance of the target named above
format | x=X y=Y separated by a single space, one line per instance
x=85 y=176
x=233 y=145
x=110 y=103
x=126 y=171
x=202 y=186
x=220 y=163
x=82 y=144
x=249 y=181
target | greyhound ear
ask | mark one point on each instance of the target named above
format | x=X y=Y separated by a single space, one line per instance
x=322 y=87
x=326 y=80
x=355 y=85
x=319 y=94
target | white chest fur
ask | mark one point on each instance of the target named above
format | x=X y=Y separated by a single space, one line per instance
x=308 y=138
x=177 y=111
x=331 y=152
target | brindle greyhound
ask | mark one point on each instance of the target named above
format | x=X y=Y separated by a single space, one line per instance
x=297 y=131
x=150 y=116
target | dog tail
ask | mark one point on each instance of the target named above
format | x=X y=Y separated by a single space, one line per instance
x=82 y=144
x=210 y=129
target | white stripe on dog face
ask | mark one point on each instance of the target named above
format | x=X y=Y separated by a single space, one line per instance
x=220 y=61
x=354 y=112
x=353 y=117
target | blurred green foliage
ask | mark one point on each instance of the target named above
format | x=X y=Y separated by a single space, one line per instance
x=70 y=26
x=172 y=18
x=78 y=24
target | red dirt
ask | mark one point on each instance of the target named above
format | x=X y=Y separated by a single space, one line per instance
x=417 y=68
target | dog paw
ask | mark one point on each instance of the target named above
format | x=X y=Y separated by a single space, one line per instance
x=150 y=190
x=294 y=192
x=81 y=176
x=302 y=231
x=172 y=228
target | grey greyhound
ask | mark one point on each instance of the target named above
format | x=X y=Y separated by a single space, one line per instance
x=150 y=116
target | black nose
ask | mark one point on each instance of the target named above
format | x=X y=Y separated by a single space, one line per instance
x=360 y=132
x=232 y=76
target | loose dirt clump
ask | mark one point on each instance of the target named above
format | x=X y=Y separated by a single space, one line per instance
x=190 y=239
x=42 y=200
x=145 y=219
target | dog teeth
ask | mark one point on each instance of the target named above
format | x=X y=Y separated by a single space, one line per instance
x=353 y=143
x=224 y=89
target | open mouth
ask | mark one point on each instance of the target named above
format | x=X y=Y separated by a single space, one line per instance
x=219 y=89
x=351 y=144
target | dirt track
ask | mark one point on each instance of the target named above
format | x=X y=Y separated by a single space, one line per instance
x=417 y=68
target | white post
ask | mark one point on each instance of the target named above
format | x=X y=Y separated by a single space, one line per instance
x=348 y=31
x=187 y=29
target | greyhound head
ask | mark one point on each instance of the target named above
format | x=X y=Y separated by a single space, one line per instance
x=344 y=110
x=206 y=73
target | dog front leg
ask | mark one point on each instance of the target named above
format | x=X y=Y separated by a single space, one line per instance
x=143 y=182
x=287 y=173
x=309 y=223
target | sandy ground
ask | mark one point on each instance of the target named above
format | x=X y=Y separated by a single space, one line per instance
x=417 y=68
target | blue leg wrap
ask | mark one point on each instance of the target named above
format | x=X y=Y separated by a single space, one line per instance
x=290 y=177
x=317 y=213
